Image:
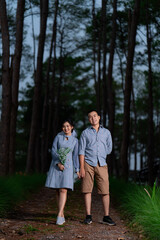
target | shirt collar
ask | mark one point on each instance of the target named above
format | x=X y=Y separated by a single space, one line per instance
x=100 y=126
x=66 y=135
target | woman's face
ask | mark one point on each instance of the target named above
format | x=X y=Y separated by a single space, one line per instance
x=67 y=128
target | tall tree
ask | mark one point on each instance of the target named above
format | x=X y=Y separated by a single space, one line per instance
x=35 y=123
x=128 y=88
x=104 y=2
x=94 y=53
x=110 y=87
x=15 y=81
x=6 y=91
x=99 y=81
x=59 y=87
x=150 y=100
x=48 y=105
x=135 y=133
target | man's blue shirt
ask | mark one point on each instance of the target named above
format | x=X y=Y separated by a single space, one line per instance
x=95 y=146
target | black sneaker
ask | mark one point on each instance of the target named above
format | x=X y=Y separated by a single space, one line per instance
x=88 y=219
x=107 y=220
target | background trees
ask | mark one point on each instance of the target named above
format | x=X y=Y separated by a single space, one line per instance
x=75 y=56
x=6 y=94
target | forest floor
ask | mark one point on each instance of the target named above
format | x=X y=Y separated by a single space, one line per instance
x=35 y=219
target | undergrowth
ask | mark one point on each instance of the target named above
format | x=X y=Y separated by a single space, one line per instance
x=16 y=188
x=140 y=204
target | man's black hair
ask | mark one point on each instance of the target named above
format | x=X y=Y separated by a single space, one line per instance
x=93 y=110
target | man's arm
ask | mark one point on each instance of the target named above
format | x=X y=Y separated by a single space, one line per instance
x=82 y=170
x=109 y=143
x=82 y=146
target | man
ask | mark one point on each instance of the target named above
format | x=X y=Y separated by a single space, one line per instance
x=95 y=145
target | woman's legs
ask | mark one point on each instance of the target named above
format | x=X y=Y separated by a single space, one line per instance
x=61 y=197
x=57 y=196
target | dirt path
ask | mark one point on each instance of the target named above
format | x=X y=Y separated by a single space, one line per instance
x=35 y=219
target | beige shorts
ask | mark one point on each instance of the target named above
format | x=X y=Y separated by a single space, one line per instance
x=101 y=176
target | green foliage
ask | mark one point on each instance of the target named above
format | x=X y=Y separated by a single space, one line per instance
x=77 y=92
x=141 y=205
x=28 y=228
x=15 y=188
x=62 y=154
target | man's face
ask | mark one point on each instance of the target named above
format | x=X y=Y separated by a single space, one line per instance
x=93 y=118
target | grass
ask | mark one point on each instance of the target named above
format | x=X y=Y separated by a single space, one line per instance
x=29 y=228
x=14 y=189
x=140 y=204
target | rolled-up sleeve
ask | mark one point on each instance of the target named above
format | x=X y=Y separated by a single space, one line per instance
x=82 y=144
x=109 y=143
x=75 y=157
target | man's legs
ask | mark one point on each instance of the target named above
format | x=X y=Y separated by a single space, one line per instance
x=101 y=175
x=88 y=199
x=87 y=186
x=105 y=201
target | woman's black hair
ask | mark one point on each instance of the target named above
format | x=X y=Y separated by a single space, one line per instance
x=69 y=121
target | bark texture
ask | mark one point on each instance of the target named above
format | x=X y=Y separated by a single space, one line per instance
x=6 y=92
x=128 y=88
x=36 y=113
x=15 y=82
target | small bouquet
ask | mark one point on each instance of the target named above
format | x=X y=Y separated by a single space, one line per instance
x=62 y=153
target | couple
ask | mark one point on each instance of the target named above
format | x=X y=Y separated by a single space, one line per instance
x=89 y=160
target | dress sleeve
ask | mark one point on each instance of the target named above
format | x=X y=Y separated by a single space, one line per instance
x=55 y=158
x=75 y=157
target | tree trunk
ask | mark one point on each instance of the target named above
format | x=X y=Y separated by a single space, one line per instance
x=50 y=132
x=48 y=105
x=135 y=134
x=94 y=52
x=99 y=76
x=34 y=39
x=110 y=89
x=15 y=82
x=150 y=103
x=6 y=92
x=104 y=61
x=61 y=72
x=36 y=117
x=45 y=113
x=128 y=88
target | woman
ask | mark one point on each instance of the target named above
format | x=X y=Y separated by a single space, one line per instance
x=61 y=174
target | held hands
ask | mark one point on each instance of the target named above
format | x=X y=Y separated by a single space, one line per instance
x=61 y=166
x=78 y=174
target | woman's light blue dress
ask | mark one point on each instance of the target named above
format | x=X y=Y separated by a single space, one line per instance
x=63 y=179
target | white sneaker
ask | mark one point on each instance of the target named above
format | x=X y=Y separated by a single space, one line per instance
x=60 y=220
